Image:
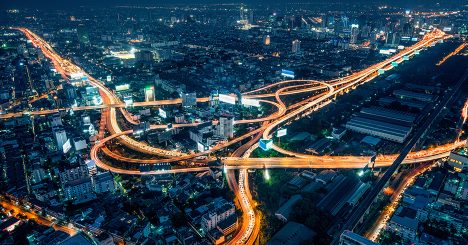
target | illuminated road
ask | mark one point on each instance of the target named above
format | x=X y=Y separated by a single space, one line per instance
x=323 y=93
x=31 y=215
x=388 y=211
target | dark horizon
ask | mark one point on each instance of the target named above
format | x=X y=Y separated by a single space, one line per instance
x=57 y=4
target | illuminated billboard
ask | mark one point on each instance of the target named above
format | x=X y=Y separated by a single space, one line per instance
x=287 y=73
x=265 y=144
x=250 y=102
x=384 y=51
x=109 y=78
x=76 y=75
x=162 y=113
x=227 y=99
x=128 y=100
x=281 y=132
x=67 y=146
x=122 y=87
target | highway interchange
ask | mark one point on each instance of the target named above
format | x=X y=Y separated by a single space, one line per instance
x=319 y=94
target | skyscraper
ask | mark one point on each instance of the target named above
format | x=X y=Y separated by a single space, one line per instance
x=296 y=46
x=60 y=137
x=354 y=33
x=226 y=126
x=149 y=93
x=189 y=99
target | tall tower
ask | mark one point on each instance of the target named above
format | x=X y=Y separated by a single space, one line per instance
x=296 y=46
x=149 y=93
x=226 y=126
x=354 y=33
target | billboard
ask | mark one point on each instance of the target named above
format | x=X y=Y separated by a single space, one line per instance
x=122 y=87
x=448 y=28
x=109 y=78
x=287 y=73
x=227 y=99
x=128 y=100
x=250 y=102
x=281 y=132
x=265 y=144
x=162 y=113
x=384 y=51
x=76 y=75
x=401 y=47
x=67 y=146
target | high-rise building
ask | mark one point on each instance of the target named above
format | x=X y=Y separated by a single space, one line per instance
x=354 y=33
x=189 y=99
x=144 y=56
x=226 y=126
x=149 y=93
x=56 y=120
x=60 y=137
x=296 y=46
x=266 y=40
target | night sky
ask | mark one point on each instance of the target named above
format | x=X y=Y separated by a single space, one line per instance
x=53 y=4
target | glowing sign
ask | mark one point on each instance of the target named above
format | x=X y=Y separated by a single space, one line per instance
x=250 y=102
x=227 y=99
x=67 y=146
x=128 y=100
x=265 y=144
x=381 y=71
x=384 y=51
x=122 y=87
x=401 y=47
x=406 y=57
x=394 y=64
x=447 y=28
x=76 y=75
x=109 y=78
x=162 y=113
x=287 y=73
x=416 y=52
x=282 y=132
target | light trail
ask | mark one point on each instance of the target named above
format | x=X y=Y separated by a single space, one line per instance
x=456 y=51
x=283 y=114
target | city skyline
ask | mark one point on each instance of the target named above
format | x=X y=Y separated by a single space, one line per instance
x=234 y=123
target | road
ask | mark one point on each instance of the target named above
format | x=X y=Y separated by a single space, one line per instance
x=31 y=215
x=358 y=213
x=323 y=93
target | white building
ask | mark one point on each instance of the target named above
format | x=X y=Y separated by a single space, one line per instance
x=226 y=126
x=211 y=219
x=459 y=159
x=56 y=120
x=296 y=46
x=79 y=190
x=60 y=137
x=73 y=173
x=79 y=144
